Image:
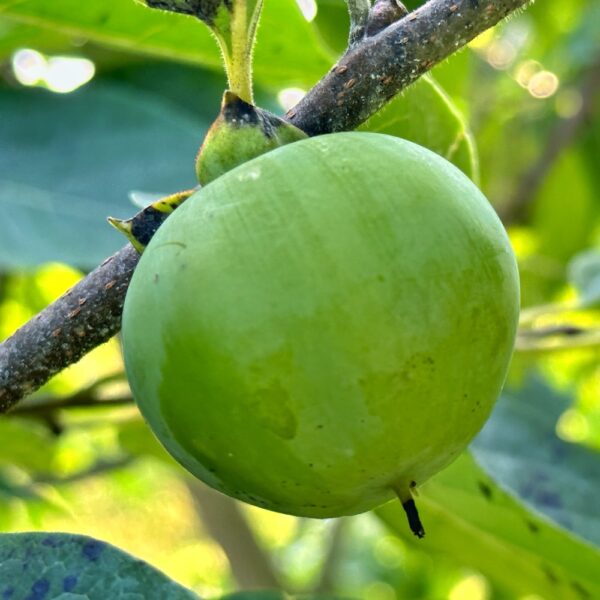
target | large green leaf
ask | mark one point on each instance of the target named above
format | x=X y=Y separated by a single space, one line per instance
x=41 y=566
x=69 y=161
x=469 y=517
x=520 y=449
x=16 y=35
x=521 y=506
x=332 y=24
x=424 y=114
x=287 y=52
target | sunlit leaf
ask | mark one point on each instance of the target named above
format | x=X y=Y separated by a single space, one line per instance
x=424 y=114
x=285 y=55
x=469 y=517
x=25 y=444
x=584 y=274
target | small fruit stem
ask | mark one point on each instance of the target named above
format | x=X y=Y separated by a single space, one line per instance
x=410 y=508
x=414 y=521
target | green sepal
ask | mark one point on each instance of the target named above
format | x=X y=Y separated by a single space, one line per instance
x=241 y=132
x=140 y=228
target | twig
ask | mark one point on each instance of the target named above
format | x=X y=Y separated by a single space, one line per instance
x=553 y=340
x=326 y=584
x=552 y=331
x=99 y=468
x=47 y=407
x=368 y=75
x=226 y=524
x=380 y=66
x=86 y=316
x=563 y=135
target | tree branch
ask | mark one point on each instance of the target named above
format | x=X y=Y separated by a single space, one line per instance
x=86 y=316
x=227 y=525
x=374 y=71
x=368 y=75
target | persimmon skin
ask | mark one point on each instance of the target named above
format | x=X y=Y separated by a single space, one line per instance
x=325 y=326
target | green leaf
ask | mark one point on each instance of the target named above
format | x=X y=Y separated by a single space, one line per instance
x=41 y=566
x=332 y=24
x=285 y=55
x=424 y=114
x=470 y=518
x=519 y=447
x=75 y=158
x=565 y=228
x=505 y=508
x=136 y=438
x=583 y=273
x=272 y=595
x=26 y=444
x=15 y=35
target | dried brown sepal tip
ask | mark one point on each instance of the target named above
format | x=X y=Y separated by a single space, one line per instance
x=414 y=521
x=140 y=228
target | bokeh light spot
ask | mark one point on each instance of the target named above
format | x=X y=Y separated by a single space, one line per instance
x=543 y=84
x=60 y=74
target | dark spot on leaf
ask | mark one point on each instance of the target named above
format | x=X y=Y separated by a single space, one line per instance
x=69 y=583
x=8 y=592
x=533 y=527
x=39 y=590
x=485 y=489
x=92 y=550
x=50 y=541
x=550 y=574
x=583 y=593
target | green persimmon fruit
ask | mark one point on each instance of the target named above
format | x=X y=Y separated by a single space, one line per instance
x=325 y=326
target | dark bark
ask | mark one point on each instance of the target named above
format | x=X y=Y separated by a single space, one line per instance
x=86 y=316
x=374 y=70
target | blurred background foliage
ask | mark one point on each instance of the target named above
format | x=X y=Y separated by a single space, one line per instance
x=104 y=103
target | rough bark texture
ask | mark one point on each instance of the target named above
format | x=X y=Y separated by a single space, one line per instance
x=81 y=319
x=374 y=70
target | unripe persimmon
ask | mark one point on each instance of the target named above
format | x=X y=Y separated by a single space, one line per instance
x=325 y=326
